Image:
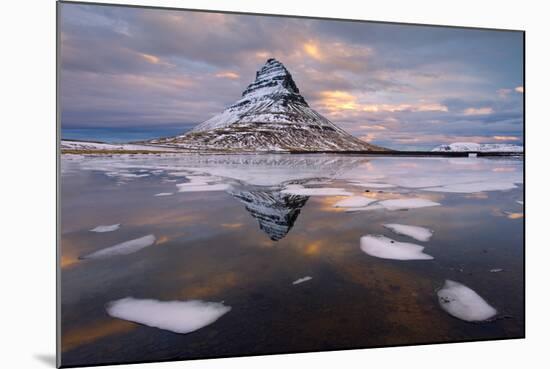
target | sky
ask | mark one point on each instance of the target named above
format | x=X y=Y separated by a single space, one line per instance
x=136 y=73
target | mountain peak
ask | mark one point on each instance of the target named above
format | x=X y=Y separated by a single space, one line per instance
x=272 y=78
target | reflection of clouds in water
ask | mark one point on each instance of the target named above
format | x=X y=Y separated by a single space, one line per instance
x=97 y=330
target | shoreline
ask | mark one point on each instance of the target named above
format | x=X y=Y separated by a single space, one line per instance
x=367 y=153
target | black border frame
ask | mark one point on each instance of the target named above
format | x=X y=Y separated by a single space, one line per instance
x=58 y=175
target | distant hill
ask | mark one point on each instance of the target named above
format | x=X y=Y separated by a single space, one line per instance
x=475 y=147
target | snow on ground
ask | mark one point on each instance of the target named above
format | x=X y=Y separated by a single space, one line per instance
x=175 y=316
x=98 y=146
x=106 y=228
x=164 y=194
x=320 y=191
x=124 y=248
x=354 y=202
x=464 y=303
x=386 y=248
x=472 y=146
x=410 y=203
x=418 y=233
x=302 y=280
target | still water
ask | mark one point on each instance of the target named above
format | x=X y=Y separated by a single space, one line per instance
x=238 y=230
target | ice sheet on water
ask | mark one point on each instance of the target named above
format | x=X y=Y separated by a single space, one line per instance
x=164 y=194
x=407 y=203
x=198 y=187
x=320 y=191
x=365 y=208
x=464 y=303
x=106 y=228
x=373 y=184
x=124 y=248
x=302 y=280
x=416 y=232
x=354 y=202
x=520 y=202
x=386 y=248
x=175 y=316
x=473 y=187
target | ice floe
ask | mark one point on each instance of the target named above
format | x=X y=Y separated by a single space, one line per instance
x=418 y=233
x=354 y=202
x=195 y=187
x=302 y=280
x=386 y=248
x=175 y=316
x=124 y=248
x=520 y=202
x=320 y=191
x=473 y=187
x=373 y=184
x=464 y=303
x=365 y=208
x=496 y=270
x=106 y=228
x=410 y=203
x=164 y=194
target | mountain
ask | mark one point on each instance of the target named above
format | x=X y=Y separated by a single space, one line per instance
x=475 y=147
x=270 y=116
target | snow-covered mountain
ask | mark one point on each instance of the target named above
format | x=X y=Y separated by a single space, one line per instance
x=475 y=147
x=270 y=116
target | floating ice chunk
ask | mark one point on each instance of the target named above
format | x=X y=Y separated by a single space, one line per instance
x=321 y=191
x=520 y=202
x=373 y=185
x=354 y=202
x=123 y=248
x=106 y=228
x=365 y=208
x=496 y=270
x=464 y=303
x=164 y=194
x=401 y=204
x=418 y=233
x=175 y=316
x=184 y=187
x=473 y=187
x=302 y=280
x=386 y=248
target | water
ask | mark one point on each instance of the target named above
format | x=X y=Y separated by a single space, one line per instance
x=245 y=246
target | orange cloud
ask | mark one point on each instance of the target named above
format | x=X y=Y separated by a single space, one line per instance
x=374 y=127
x=505 y=138
x=478 y=111
x=312 y=49
x=228 y=75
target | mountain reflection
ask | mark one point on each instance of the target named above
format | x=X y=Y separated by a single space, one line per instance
x=275 y=211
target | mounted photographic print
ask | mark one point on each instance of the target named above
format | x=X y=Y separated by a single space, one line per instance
x=237 y=184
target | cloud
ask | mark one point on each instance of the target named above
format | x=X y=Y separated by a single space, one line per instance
x=228 y=75
x=506 y=138
x=479 y=111
x=128 y=67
